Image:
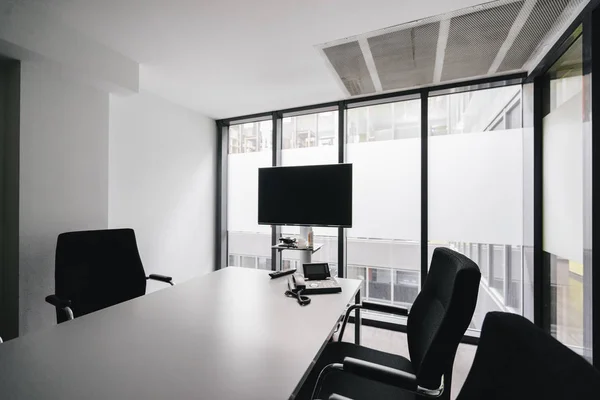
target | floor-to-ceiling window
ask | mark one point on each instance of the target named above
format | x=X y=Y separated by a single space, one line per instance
x=250 y=148
x=383 y=143
x=475 y=187
x=563 y=199
x=311 y=139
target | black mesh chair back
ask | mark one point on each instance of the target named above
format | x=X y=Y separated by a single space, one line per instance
x=440 y=316
x=97 y=269
x=516 y=360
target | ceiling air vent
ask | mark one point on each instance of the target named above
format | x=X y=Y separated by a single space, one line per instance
x=475 y=39
x=493 y=38
x=349 y=63
x=544 y=15
x=405 y=57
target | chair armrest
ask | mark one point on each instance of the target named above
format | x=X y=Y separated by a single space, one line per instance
x=384 y=308
x=367 y=305
x=61 y=304
x=57 y=301
x=161 y=278
x=381 y=373
x=338 y=397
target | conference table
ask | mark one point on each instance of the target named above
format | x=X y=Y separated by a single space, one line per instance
x=231 y=334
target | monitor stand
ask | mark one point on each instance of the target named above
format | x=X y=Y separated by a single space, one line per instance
x=305 y=252
x=305 y=256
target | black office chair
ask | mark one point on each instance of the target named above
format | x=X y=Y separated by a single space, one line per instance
x=516 y=360
x=436 y=323
x=95 y=270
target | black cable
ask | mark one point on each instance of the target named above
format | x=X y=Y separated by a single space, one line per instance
x=297 y=294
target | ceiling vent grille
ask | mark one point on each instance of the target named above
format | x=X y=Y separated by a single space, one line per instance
x=475 y=39
x=498 y=37
x=544 y=16
x=405 y=57
x=349 y=63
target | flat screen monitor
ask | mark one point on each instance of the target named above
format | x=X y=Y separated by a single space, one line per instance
x=316 y=195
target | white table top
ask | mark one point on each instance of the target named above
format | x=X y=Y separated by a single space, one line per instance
x=231 y=334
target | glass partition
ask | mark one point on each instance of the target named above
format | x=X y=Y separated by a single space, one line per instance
x=250 y=148
x=476 y=189
x=480 y=193
x=383 y=245
x=311 y=139
x=563 y=194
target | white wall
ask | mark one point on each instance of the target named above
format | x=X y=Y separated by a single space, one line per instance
x=63 y=179
x=30 y=33
x=162 y=172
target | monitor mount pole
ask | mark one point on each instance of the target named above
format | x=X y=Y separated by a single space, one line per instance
x=305 y=256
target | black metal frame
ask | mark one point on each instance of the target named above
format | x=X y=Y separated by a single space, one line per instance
x=584 y=24
x=594 y=69
x=342 y=249
x=542 y=267
x=591 y=31
x=221 y=242
x=424 y=185
x=276 y=259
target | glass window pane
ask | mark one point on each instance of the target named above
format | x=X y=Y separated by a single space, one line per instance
x=312 y=140
x=496 y=277
x=264 y=263
x=248 y=262
x=498 y=125
x=249 y=149
x=379 y=282
x=406 y=287
x=232 y=261
x=563 y=222
x=384 y=146
x=307 y=131
x=476 y=190
x=360 y=273
x=513 y=116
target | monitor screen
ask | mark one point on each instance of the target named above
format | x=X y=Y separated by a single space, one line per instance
x=316 y=195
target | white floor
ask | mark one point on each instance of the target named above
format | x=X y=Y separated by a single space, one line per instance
x=395 y=342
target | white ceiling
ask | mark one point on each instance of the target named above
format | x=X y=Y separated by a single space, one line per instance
x=227 y=58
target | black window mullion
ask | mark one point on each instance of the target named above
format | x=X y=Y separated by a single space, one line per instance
x=342 y=244
x=276 y=161
x=221 y=235
x=541 y=263
x=424 y=184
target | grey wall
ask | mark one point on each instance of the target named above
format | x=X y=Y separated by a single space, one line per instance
x=63 y=179
x=162 y=183
x=10 y=81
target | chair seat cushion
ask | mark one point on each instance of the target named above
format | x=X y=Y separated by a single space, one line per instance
x=352 y=386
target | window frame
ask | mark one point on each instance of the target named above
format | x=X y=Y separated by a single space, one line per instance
x=341 y=107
